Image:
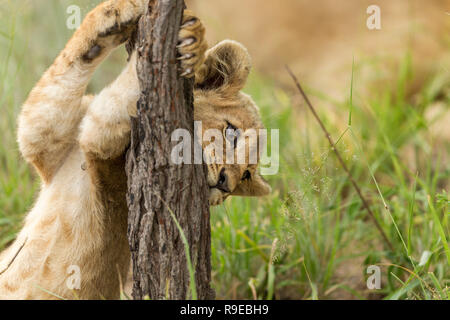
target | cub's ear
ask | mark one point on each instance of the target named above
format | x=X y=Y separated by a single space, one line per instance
x=254 y=187
x=226 y=68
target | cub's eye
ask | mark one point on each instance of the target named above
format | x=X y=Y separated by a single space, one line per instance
x=247 y=175
x=231 y=133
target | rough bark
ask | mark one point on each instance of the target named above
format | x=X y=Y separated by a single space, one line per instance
x=156 y=186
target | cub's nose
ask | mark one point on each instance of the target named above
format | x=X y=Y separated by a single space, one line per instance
x=222 y=183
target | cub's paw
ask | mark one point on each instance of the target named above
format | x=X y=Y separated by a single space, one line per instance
x=107 y=26
x=191 y=44
x=118 y=17
x=113 y=19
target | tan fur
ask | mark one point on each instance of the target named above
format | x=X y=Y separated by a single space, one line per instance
x=77 y=144
x=218 y=101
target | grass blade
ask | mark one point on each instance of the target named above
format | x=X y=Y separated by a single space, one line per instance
x=441 y=231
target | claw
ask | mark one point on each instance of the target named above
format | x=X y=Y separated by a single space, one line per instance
x=186 y=57
x=187 y=72
x=189 y=22
x=186 y=42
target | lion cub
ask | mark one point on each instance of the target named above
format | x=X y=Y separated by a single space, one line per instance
x=77 y=144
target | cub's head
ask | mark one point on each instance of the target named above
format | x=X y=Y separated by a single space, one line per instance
x=230 y=124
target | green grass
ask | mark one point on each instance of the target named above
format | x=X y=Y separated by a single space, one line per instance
x=311 y=238
x=318 y=219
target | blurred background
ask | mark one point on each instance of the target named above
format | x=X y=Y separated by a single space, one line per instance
x=318 y=39
x=384 y=95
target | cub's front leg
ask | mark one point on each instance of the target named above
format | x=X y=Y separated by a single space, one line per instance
x=105 y=130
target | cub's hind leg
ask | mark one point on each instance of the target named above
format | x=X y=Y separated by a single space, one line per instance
x=49 y=121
